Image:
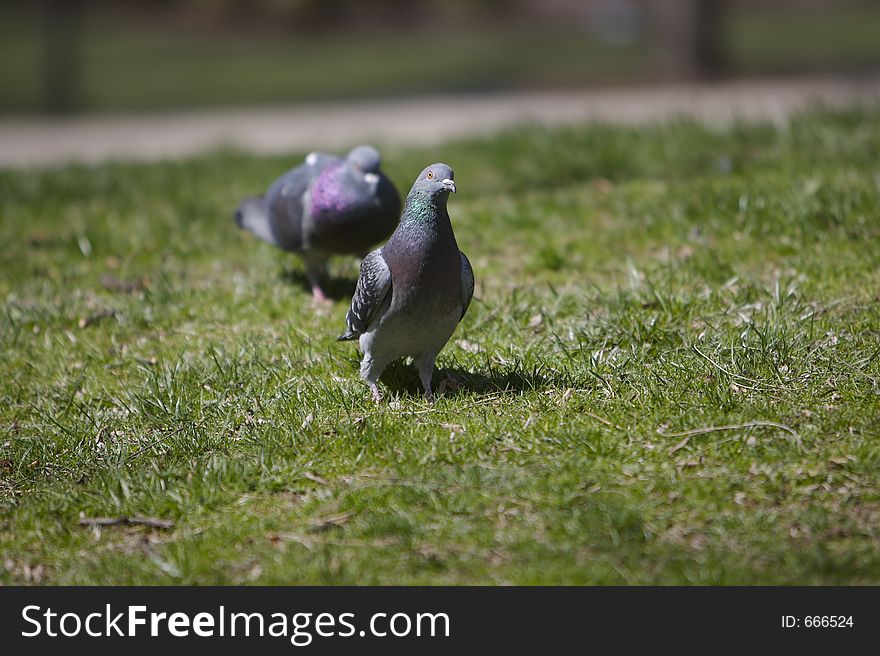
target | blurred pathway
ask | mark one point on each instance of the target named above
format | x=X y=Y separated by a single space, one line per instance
x=424 y=120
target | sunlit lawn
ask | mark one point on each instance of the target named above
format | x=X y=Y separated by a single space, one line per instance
x=669 y=373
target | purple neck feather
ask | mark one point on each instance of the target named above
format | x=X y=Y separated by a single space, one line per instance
x=330 y=193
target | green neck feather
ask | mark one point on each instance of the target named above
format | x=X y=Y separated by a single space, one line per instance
x=423 y=209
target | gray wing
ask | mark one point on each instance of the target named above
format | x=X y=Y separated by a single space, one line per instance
x=319 y=160
x=284 y=201
x=467 y=284
x=373 y=287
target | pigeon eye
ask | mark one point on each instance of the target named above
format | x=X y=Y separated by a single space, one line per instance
x=430 y=175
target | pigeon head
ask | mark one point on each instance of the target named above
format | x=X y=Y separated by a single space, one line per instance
x=365 y=159
x=435 y=181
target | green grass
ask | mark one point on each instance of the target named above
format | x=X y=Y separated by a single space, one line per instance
x=128 y=63
x=669 y=373
x=129 y=67
x=821 y=37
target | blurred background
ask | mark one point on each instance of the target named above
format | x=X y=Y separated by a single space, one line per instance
x=82 y=56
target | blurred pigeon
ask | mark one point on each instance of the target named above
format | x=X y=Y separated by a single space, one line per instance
x=413 y=291
x=325 y=206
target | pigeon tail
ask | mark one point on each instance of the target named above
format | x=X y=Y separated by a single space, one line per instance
x=252 y=215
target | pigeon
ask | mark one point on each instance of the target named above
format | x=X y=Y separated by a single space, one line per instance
x=413 y=291
x=327 y=205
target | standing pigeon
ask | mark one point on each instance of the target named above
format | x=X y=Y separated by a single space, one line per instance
x=325 y=206
x=413 y=291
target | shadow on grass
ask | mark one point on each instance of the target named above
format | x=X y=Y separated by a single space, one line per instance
x=401 y=378
x=338 y=289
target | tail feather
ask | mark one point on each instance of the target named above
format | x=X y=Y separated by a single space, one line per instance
x=252 y=215
x=351 y=333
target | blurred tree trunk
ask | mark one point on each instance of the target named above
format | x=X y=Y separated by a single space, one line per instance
x=319 y=15
x=62 y=20
x=687 y=37
x=709 y=37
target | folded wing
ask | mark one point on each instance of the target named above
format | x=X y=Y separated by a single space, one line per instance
x=373 y=287
x=467 y=284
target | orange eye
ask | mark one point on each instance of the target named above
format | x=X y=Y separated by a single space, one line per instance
x=430 y=175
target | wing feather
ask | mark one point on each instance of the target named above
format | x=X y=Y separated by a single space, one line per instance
x=284 y=202
x=467 y=284
x=373 y=287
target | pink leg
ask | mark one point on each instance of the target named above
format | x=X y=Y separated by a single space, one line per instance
x=371 y=369
x=316 y=270
x=425 y=365
x=318 y=294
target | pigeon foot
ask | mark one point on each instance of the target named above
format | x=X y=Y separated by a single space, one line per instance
x=449 y=383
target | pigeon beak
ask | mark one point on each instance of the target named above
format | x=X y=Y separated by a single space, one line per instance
x=448 y=185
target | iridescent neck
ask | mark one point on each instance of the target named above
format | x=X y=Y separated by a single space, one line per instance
x=422 y=207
